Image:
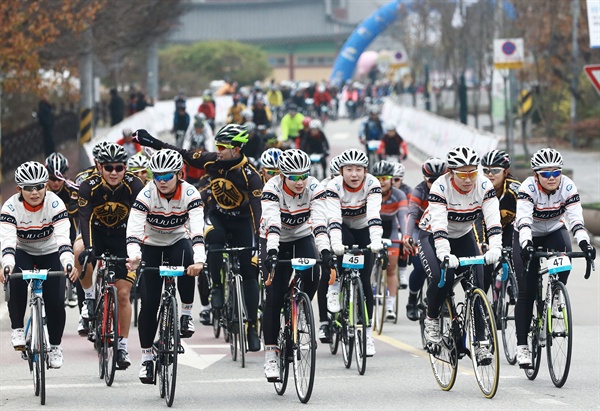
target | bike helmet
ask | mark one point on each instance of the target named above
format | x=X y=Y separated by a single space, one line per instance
x=166 y=161
x=98 y=148
x=233 y=134
x=127 y=132
x=546 y=157
x=334 y=166
x=496 y=158
x=353 y=157
x=389 y=126
x=306 y=121
x=200 y=117
x=31 y=173
x=293 y=162
x=383 y=168
x=293 y=107
x=269 y=158
x=373 y=110
x=250 y=127
x=315 y=124
x=247 y=114
x=137 y=162
x=462 y=156
x=57 y=162
x=112 y=153
x=434 y=167
x=398 y=170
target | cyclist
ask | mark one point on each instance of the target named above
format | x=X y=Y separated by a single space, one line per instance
x=496 y=167
x=207 y=107
x=315 y=142
x=261 y=113
x=234 y=115
x=233 y=205
x=181 y=123
x=334 y=170
x=354 y=200
x=156 y=230
x=392 y=145
x=200 y=137
x=105 y=199
x=269 y=163
x=543 y=201
x=397 y=182
x=393 y=213
x=294 y=210
x=456 y=199
x=371 y=128
x=291 y=124
x=34 y=227
x=82 y=175
x=130 y=146
x=138 y=166
x=431 y=169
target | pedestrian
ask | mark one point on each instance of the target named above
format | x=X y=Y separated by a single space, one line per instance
x=116 y=106
x=46 y=119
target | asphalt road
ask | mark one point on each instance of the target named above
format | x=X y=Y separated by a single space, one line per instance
x=397 y=377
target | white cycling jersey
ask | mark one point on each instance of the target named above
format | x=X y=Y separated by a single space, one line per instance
x=450 y=212
x=540 y=213
x=357 y=208
x=37 y=231
x=156 y=221
x=287 y=216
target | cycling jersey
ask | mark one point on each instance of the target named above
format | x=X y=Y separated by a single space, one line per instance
x=371 y=129
x=540 y=213
x=39 y=230
x=157 y=221
x=235 y=185
x=393 y=146
x=288 y=216
x=315 y=145
x=291 y=126
x=104 y=208
x=451 y=212
x=68 y=194
x=355 y=207
x=416 y=207
x=85 y=174
x=508 y=209
x=394 y=207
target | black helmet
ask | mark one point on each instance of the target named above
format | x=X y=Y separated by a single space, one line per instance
x=434 y=168
x=57 y=162
x=383 y=168
x=233 y=134
x=496 y=158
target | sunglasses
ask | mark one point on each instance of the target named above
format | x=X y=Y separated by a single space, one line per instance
x=494 y=170
x=36 y=187
x=548 y=174
x=109 y=168
x=164 y=176
x=271 y=171
x=52 y=177
x=383 y=178
x=396 y=179
x=222 y=147
x=298 y=177
x=463 y=175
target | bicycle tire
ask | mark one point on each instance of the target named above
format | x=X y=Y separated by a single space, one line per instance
x=480 y=315
x=110 y=340
x=284 y=365
x=241 y=324
x=99 y=336
x=335 y=334
x=39 y=352
x=379 y=291
x=305 y=348
x=170 y=342
x=347 y=333
x=507 y=302
x=396 y=308
x=559 y=341
x=216 y=322
x=534 y=347
x=444 y=357
x=231 y=326
x=361 y=324
x=422 y=307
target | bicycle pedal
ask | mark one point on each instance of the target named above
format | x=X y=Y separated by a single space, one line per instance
x=24 y=355
x=275 y=379
x=180 y=349
x=526 y=367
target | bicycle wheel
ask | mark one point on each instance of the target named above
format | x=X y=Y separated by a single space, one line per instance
x=334 y=327
x=560 y=335
x=422 y=306
x=110 y=336
x=231 y=324
x=535 y=348
x=99 y=336
x=305 y=348
x=507 y=301
x=347 y=330
x=443 y=357
x=216 y=322
x=170 y=348
x=241 y=323
x=38 y=348
x=282 y=343
x=361 y=322
x=396 y=308
x=379 y=292
x=483 y=345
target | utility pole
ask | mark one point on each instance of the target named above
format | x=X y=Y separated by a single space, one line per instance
x=152 y=72
x=86 y=73
x=574 y=71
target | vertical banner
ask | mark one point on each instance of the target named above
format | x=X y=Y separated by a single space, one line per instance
x=593 y=15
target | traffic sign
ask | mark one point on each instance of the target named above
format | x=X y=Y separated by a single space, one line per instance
x=593 y=72
x=509 y=53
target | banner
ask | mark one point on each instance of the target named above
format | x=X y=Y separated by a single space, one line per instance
x=593 y=15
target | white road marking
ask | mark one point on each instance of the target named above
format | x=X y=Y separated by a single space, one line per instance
x=200 y=361
x=340 y=136
x=201 y=346
x=548 y=401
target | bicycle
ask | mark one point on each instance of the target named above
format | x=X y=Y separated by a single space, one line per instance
x=552 y=321
x=380 y=291
x=467 y=328
x=297 y=342
x=233 y=316
x=37 y=343
x=168 y=346
x=349 y=326
x=104 y=324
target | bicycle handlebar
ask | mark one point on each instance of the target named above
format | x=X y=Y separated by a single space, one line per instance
x=232 y=249
x=17 y=276
x=590 y=266
x=332 y=274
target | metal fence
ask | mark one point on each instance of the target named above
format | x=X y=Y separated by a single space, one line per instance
x=28 y=143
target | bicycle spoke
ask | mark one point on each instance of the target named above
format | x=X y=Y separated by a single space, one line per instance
x=560 y=335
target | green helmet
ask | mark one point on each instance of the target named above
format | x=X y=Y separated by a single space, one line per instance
x=234 y=134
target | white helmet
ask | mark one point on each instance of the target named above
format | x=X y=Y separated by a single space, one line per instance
x=462 y=156
x=57 y=162
x=334 y=166
x=293 y=162
x=137 y=162
x=353 y=157
x=31 y=173
x=247 y=114
x=399 y=170
x=316 y=124
x=166 y=161
x=269 y=158
x=546 y=157
x=389 y=126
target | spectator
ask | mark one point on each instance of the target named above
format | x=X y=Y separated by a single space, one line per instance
x=116 y=106
x=141 y=103
x=132 y=105
x=46 y=119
